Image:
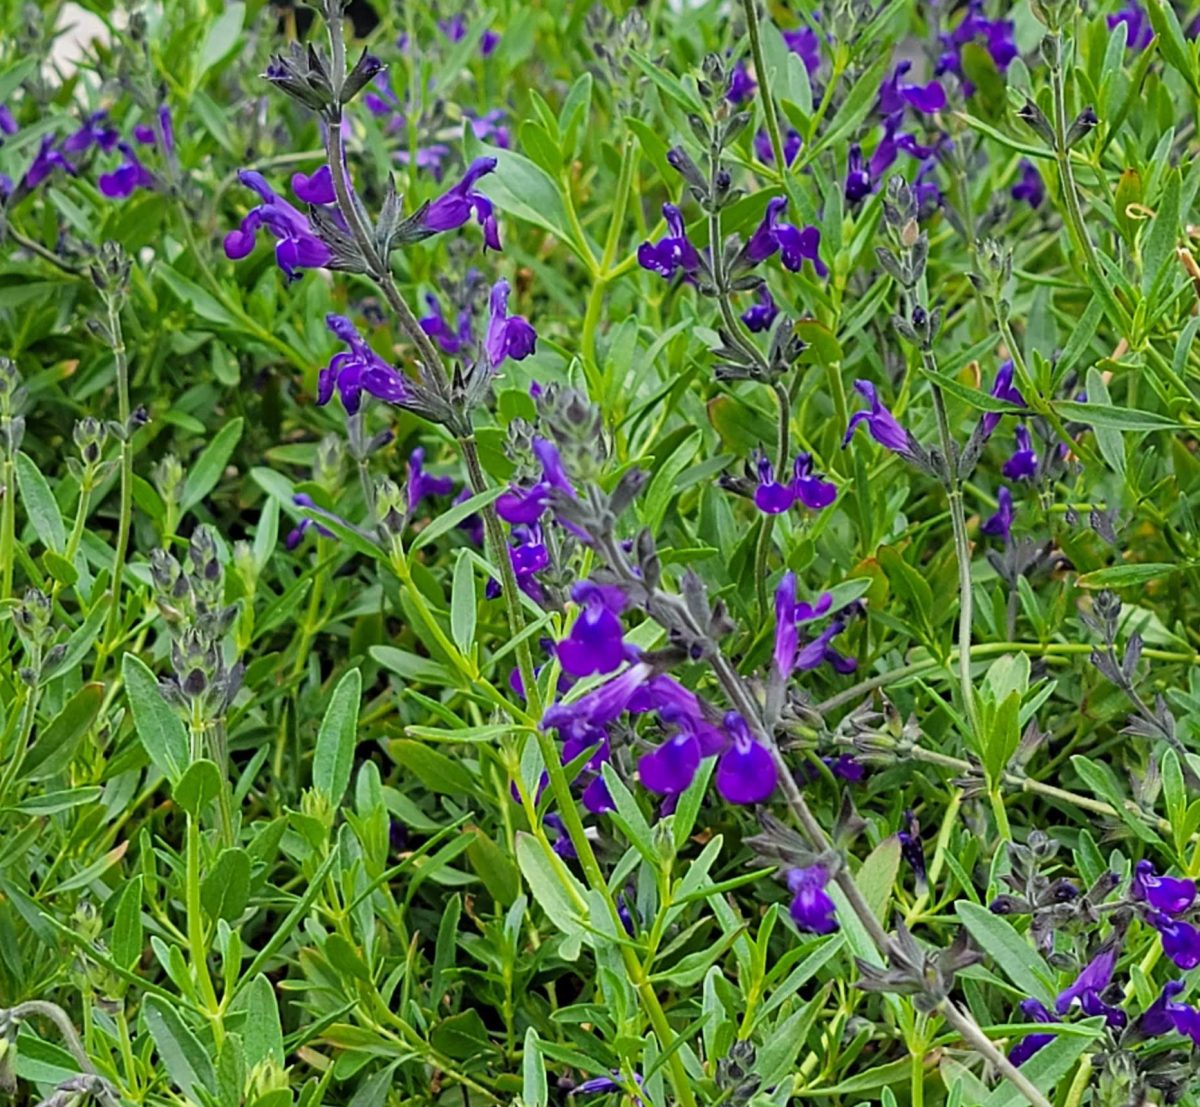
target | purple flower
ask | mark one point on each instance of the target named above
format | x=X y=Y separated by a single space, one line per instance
x=1169 y=894
x=792 y=144
x=798 y=245
x=762 y=314
x=596 y=643
x=1030 y=188
x=672 y=252
x=745 y=771
x=1023 y=463
x=805 y=43
x=507 y=335
x=297 y=245
x=858 y=177
x=604 y=1084
x=357 y=370
x=45 y=161
x=1139 y=33
x=1157 y=1018
x=911 y=847
x=93 y=132
x=8 y=124
x=788 y=656
x=602 y=704
x=765 y=240
x=1035 y=1011
x=1002 y=389
x=126 y=178
x=435 y=325
x=812 y=909
x=1092 y=980
x=1000 y=524
x=881 y=423
x=454 y=207
x=996 y=36
x=741 y=85
x=808 y=487
x=771 y=497
x=896 y=93
x=1180 y=940
x=314 y=188
x=1186 y=1021
x=296 y=534
x=421 y=484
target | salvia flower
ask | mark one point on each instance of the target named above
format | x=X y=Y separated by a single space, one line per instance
x=508 y=336
x=315 y=187
x=806 y=487
x=911 y=847
x=1157 y=1018
x=999 y=524
x=435 y=324
x=745 y=771
x=600 y=705
x=896 y=93
x=421 y=484
x=1023 y=463
x=881 y=423
x=761 y=315
x=996 y=36
x=765 y=240
x=47 y=159
x=455 y=206
x=1139 y=33
x=8 y=122
x=297 y=245
x=296 y=534
x=1030 y=188
x=812 y=909
x=672 y=253
x=859 y=183
x=357 y=370
x=1186 y=1021
x=1035 y=1011
x=805 y=43
x=741 y=85
x=793 y=142
x=596 y=643
x=1169 y=894
x=1002 y=389
x=1095 y=976
x=129 y=176
x=1180 y=940
x=798 y=245
x=93 y=132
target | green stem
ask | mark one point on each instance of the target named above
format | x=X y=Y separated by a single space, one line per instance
x=750 y=7
x=8 y=527
x=126 y=507
x=198 y=946
x=962 y=548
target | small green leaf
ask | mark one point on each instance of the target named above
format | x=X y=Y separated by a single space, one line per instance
x=206 y=470
x=57 y=743
x=127 y=939
x=1019 y=961
x=40 y=504
x=337 y=738
x=1122 y=576
x=184 y=1058
x=161 y=732
x=462 y=604
x=198 y=787
x=225 y=891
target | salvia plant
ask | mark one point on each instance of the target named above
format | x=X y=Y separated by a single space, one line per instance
x=564 y=553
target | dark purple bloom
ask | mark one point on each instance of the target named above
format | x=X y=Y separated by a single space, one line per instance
x=1180 y=940
x=881 y=423
x=93 y=132
x=845 y=767
x=995 y=35
x=602 y=704
x=1139 y=33
x=798 y=245
x=357 y=370
x=788 y=616
x=1035 y=1011
x=1094 y=978
x=1002 y=389
x=745 y=771
x=1023 y=463
x=1030 y=188
x=808 y=487
x=771 y=497
x=436 y=326
x=8 y=124
x=421 y=484
x=1186 y=1021
x=315 y=188
x=454 y=207
x=604 y=1084
x=762 y=314
x=819 y=650
x=1156 y=1019
x=911 y=847
x=805 y=43
x=669 y=769
x=812 y=909
x=896 y=93
x=148 y=136
x=45 y=161
x=1000 y=524
x=673 y=252
x=1169 y=894
x=741 y=85
x=793 y=142
x=596 y=643
x=297 y=245
x=507 y=335
x=126 y=178
x=765 y=239
x=296 y=535
x=858 y=177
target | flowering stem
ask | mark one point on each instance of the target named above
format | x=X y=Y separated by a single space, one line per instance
x=40 y=1008
x=126 y=508
x=750 y=7
x=962 y=548
x=36 y=248
x=763 y=548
